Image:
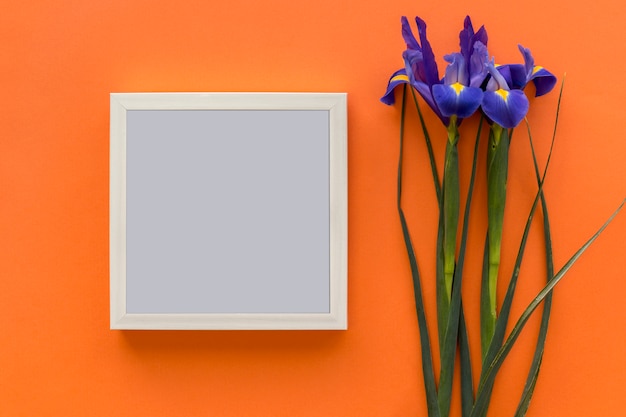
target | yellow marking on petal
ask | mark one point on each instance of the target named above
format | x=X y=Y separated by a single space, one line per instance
x=502 y=93
x=537 y=68
x=458 y=87
x=400 y=77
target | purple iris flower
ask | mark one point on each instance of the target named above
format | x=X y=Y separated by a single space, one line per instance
x=458 y=93
x=455 y=97
x=502 y=105
x=518 y=75
x=420 y=69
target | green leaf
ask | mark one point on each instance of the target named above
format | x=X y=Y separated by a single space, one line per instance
x=427 y=364
x=487 y=324
x=429 y=147
x=533 y=373
x=467 y=382
x=495 y=365
x=442 y=299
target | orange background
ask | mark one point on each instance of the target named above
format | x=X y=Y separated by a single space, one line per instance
x=60 y=60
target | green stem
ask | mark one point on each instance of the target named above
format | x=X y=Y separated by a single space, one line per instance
x=450 y=206
x=497 y=171
x=448 y=308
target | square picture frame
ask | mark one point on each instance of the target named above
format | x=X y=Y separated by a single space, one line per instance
x=228 y=211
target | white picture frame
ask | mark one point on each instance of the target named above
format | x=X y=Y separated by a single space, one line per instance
x=228 y=211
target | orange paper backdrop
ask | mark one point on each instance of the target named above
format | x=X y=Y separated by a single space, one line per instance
x=61 y=59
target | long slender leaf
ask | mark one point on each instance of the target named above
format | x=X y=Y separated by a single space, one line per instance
x=535 y=366
x=427 y=364
x=533 y=373
x=467 y=383
x=442 y=306
x=486 y=324
x=515 y=332
x=429 y=147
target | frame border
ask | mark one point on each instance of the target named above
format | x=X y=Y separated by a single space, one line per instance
x=336 y=104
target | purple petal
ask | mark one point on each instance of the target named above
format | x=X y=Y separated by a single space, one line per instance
x=457 y=70
x=474 y=50
x=466 y=37
x=431 y=74
x=505 y=71
x=497 y=81
x=544 y=81
x=414 y=63
x=426 y=93
x=415 y=72
x=516 y=75
x=408 y=36
x=481 y=36
x=398 y=77
x=529 y=61
x=457 y=99
x=477 y=70
x=506 y=108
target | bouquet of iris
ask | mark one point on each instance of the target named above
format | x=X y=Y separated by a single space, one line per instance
x=474 y=86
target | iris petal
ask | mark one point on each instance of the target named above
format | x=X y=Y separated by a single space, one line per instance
x=457 y=99
x=430 y=74
x=477 y=69
x=414 y=71
x=529 y=61
x=505 y=72
x=398 y=77
x=466 y=37
x=408 y=36
x=420 y=69
x=506 y=108
x=516 y=75
x=456 y=71
x=481 y=36
x=544 y=81
x=474 y=51
x=427 y=95
x=414 y=63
